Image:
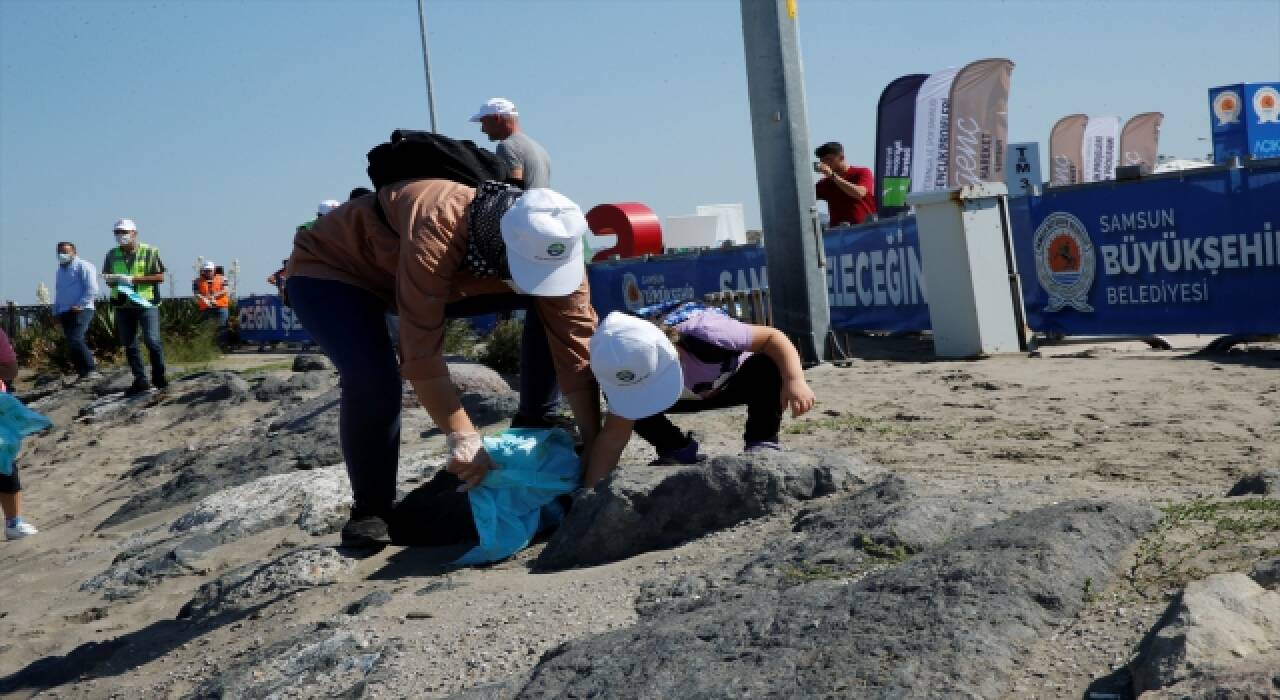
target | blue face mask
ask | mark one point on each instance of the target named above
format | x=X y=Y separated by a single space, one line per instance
x=64 y=258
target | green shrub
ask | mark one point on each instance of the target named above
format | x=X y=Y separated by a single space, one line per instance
x=459 y=339
x=186 y=337
x=502 y=347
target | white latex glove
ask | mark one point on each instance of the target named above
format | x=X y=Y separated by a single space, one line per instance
x=467 y=458
x=119 y=279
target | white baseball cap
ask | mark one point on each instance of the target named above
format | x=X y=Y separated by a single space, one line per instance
x=208 y=265
x=637 y=366
x=327 y=206
x=543 y=234
x=498 y=106
x=124 y=225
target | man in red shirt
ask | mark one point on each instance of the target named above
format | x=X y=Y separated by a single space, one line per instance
x=848 y=190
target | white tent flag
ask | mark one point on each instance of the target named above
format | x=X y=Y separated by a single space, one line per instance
x=1101 y=143
x=932 y=137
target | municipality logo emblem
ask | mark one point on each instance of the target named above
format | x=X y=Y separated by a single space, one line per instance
x=1065 y=262
x=625 y=376
x=1266 y=102
x=555 y=250
x=1226 y=107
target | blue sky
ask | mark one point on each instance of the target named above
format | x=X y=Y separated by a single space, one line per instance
x=218 y=125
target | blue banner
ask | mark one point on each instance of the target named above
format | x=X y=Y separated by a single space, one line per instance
x=264 y=319
x=874 y=277
x=1197 y=252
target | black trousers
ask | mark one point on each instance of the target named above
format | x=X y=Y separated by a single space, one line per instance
x=757 y=383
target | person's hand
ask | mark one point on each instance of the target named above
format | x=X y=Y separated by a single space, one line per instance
x=467 y=458
x=797 y=395
x=825 y=169
x=118 y=279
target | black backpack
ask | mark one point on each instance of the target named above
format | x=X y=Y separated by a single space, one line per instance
x=412 y=155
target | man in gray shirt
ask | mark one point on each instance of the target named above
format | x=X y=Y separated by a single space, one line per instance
x=528 y=161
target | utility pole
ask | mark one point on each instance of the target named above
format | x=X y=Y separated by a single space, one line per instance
x=426 y=66
x=788 y=210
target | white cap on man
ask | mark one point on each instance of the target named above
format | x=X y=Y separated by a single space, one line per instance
x=637 y=366
x=543 y=233
x=124 y=225
x=208 y=265
x=496 y=107
x=327 y=206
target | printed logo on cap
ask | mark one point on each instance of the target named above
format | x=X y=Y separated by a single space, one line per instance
x=1065 y=263
x=1266 y=102
x=626 y=376
x=555 y=250
x=1226 y=107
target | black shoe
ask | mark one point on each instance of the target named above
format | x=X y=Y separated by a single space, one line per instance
x=139 y=387
x=365 y=532
x=160 y=382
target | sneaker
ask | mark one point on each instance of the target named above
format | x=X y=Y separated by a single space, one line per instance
x=160 y=382
x=365 y=532
x=138 y=388
x=759 y=446
x=685 y=455
x=19 y=530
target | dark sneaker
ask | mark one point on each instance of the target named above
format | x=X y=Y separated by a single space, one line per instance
x=685 y=455
x=138 y=388
x=762 y=446
x=160 y=382
x=365 y=532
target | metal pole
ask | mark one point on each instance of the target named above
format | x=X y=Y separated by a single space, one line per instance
x=779 y=128
x=426 y=66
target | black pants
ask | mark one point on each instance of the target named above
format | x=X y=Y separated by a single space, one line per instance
x=757 y=383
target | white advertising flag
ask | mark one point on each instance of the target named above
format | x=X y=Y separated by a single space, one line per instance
x=1101 y=142
x=932 y=137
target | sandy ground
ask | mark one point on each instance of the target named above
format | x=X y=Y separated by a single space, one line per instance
x=1116 y=421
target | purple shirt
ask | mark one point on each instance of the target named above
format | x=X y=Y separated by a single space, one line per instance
x=721 y=331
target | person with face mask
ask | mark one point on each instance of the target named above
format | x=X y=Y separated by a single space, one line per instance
x=133 y=270
x=75 y=288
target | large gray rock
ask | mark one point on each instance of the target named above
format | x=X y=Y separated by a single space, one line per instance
x=487 y=409
x=1267 y=573
x=640 y=509
x=1263 y=483
x=473 y=377
x=326 y=661
x=842 y=540
x=257 y=584
x=311 y=363
x=1210 y=627
x=274 y=388
x=950 y=622
x=1254 y=678
x=315 y=501
x=304 y=437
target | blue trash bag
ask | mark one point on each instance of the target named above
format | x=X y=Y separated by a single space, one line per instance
x=16 y=421
x=132 y=295
x=516 y=500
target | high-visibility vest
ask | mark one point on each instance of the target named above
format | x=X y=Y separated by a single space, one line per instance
x=208 y=288
x=117 y=264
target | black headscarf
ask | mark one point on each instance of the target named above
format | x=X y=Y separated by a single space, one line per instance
x=486 y=253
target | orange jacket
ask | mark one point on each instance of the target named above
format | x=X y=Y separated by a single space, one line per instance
x=211 y=288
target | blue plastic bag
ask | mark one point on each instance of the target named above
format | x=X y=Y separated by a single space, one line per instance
x=132 y=295
x=516 y=500
x=16 y=421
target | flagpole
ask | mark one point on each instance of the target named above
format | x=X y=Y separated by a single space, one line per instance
x=426 y=66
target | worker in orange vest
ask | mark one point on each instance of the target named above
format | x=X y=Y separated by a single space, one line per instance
x=212 y=296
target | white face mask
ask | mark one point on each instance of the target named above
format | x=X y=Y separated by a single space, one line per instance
x=124 y=238
x=64 y=258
